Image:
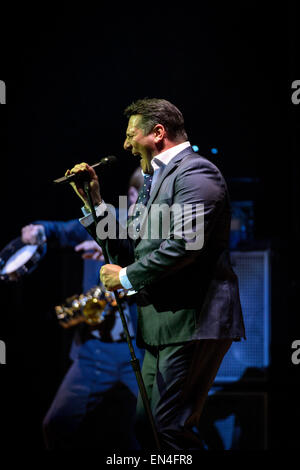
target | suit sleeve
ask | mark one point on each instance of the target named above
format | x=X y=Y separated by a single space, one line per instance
x=195 y=186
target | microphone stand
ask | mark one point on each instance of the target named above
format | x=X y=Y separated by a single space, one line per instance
x=134 y=361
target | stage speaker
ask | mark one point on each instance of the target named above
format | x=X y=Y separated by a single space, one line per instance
x=249 y=360
x=235 y=421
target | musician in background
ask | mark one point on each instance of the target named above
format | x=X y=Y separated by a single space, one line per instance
x=100 y=356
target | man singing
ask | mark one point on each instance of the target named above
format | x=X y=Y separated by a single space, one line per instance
x=187 y=294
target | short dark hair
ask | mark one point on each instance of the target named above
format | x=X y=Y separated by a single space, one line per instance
x=158 y=111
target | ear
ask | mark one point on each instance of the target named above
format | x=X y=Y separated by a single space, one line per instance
x=159 y=133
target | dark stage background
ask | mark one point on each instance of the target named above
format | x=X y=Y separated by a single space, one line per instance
x=69 y=75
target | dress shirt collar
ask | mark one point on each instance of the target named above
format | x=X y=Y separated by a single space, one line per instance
x=162 y=159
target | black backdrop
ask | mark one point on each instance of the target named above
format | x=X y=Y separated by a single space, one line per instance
x=69 y=75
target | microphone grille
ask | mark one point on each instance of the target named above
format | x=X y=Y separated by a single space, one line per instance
x=109 y=159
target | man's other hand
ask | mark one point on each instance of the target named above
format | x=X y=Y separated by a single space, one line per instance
x=94 y=183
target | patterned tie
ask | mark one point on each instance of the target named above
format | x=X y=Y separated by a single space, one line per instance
x=143 y=198
x=144 y=193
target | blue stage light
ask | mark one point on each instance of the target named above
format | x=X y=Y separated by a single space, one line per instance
x=195 y=148
x=214 y=151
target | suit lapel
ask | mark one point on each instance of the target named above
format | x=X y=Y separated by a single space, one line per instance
x=167 y=170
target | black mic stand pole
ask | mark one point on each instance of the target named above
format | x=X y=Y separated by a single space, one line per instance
x=134 y=361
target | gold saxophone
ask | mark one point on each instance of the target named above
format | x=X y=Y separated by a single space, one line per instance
x=88 y=308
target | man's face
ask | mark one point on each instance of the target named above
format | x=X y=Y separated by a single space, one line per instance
x=139 y=144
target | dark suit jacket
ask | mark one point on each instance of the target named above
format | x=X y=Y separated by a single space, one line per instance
x=184 y=294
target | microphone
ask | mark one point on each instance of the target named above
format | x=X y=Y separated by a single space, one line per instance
x=69 y=178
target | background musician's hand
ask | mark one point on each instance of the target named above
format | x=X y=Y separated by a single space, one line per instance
x=91 y=250
x=33 y=234
x=94 y=183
